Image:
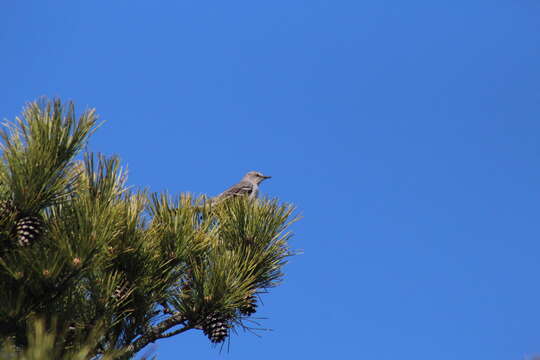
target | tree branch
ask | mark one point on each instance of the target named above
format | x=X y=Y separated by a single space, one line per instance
x=176 y=332
x=154 y=333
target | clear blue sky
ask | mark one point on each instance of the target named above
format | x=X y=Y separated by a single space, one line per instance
x=406 y=132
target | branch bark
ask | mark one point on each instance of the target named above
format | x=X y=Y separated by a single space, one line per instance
x=158 y=332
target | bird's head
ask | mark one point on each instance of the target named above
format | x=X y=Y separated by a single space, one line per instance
x=256 y=177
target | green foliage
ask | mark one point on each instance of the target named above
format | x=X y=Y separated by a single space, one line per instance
x=47 y=342
x=37 y=152
x=118 y=268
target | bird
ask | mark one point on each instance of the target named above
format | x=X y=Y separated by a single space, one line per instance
x=249 y=185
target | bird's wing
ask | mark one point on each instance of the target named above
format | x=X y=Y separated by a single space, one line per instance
x=243 y=187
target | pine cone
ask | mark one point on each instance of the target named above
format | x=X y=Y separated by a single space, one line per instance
x=6 y=209
x=249 y=306
x=28 y=230
x=216 y=328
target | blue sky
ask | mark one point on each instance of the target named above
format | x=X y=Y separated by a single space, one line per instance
x=406 y=132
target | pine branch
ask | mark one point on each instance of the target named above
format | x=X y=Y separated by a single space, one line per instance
x=156 y=332
x=176 y=332
x=105 y=252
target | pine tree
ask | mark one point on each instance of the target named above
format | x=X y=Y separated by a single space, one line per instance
x=98 y=270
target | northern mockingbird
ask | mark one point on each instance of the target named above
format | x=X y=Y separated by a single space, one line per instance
x=249 y=185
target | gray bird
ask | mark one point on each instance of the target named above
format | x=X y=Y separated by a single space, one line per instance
x=249 y=185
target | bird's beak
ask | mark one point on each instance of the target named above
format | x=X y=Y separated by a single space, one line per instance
x=266 y=177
